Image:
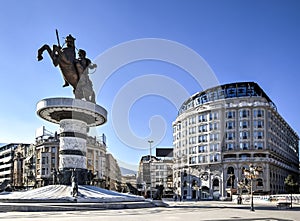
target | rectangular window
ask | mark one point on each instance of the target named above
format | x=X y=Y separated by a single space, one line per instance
x=244 y=135
x=192 y=150
x=230 y=114
x=202 y=118
x=192 y=130
x=213 y=126
x=202 y=159
x=230 y=135
x=244 y=146
x=244 y=124
x=214 y=157
x=203 y=98
x=258 y=113
x=192 y=140
x=192 y=120
x=258 y=123
x=202 y=138
x=192 y=160
x=202 y=149
x=258 y=134
x=242 y=91
x=230 y=146
x=44 y=160
x=213 y=115
x=230 y=125
x=214 y=147
x=221 y=93
x=202 y=128
x=244 y=113
x=231 y=92
x=213 y=137
x=53 y=149
x=259 y=145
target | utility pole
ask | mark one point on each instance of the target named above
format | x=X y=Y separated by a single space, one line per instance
x=150 y=143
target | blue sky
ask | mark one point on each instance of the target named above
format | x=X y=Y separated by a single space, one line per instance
x=255 y=40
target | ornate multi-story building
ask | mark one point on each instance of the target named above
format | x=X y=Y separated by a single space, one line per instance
x=36 y=165
x=154 y=173
x=24 y=167
x=219 y=132
x=113 y=171
x=47 y=159
x=96 y=160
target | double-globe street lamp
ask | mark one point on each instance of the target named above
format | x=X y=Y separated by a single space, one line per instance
x=150 y=159
x=252 y=174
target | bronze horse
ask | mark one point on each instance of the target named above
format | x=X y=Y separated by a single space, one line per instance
x=74 y=73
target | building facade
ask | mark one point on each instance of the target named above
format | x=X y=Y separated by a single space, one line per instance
x=6 y=161
x=36 y=165
x=96 y=160
x=154 y=173
x=12 y=164
x=221 y=131
x=113 y=171
x=24 y=167
x=47 y=158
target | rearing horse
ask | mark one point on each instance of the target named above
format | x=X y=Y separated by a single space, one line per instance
x=65 y=58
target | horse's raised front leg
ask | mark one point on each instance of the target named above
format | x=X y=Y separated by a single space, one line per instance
x=41 y=50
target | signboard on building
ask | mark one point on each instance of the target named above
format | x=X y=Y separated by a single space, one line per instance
x=39 y=132
x=164 y=152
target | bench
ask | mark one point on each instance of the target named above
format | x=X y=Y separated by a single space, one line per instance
x=283 y=205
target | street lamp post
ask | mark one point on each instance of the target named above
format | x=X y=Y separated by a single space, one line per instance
x=150 y=143
x=252 y=173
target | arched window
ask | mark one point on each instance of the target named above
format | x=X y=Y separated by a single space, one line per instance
x=231 y=177
x=230 y=181
x=216 y=184
x=230 y=170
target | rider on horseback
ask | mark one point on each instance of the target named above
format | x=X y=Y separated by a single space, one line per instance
x=71 y=67
x=69 y=51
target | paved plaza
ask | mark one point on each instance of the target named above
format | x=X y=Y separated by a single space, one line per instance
x=188 y=211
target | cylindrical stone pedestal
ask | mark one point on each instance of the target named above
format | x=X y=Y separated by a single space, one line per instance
x=72 y=149
x=74 y=117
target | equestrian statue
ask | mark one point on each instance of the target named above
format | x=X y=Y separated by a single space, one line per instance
x=75 y=71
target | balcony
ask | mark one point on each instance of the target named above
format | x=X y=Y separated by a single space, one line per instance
x=246 y=159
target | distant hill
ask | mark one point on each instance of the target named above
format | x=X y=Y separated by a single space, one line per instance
x=2 y=144
x=125 y=171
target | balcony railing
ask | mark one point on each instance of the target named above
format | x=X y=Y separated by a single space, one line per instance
x=247 y=159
